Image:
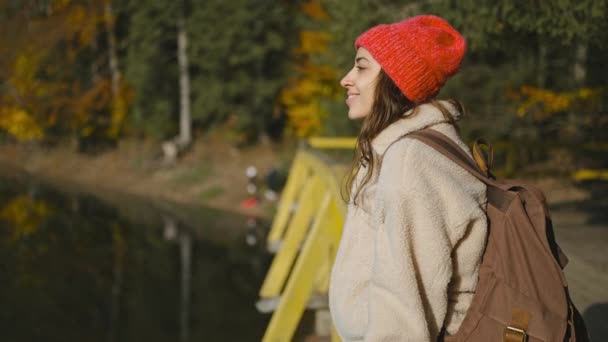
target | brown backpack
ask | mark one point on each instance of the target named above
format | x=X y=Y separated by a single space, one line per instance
x=522 y=293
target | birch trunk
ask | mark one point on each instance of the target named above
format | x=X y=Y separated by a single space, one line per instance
x=113 y=55
x=185 y=136
x=580 y=65
x=185 y=247
x=117 y=104
x=541 y=74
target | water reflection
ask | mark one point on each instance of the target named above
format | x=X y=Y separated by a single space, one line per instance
x=77 y=269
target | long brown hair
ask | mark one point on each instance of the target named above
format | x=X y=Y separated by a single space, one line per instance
x=389 y=106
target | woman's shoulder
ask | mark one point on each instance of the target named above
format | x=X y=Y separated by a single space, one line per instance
x=410 y=159
x=408 y=152
x=406 y=162
x=412 y=168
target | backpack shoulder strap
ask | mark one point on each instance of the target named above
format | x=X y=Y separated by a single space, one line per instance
x=448 y=148
x=497 y=196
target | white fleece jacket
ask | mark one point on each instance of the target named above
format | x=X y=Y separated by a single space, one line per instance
x=410 y=252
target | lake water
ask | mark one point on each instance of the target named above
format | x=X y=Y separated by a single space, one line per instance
x=77 y=267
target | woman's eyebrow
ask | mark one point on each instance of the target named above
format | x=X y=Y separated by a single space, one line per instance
x=360 y=58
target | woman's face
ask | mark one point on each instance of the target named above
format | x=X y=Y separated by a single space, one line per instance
x=360 y=85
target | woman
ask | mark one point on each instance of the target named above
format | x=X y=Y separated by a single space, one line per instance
x=415 y=232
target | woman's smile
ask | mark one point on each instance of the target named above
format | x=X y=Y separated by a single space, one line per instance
x=350 y=98
x=360 y=85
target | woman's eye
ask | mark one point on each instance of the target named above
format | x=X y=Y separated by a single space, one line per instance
x=359 y=68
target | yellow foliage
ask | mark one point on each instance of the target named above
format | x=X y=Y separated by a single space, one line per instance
x=87 y=131
x=99 y=100
x=314 y=9
x=59 y=5
x=318 y=72
x=305 y=119
x=20 y=124
x=25 y=67
x=302 y=98
x=544 y=103
x=44 y=90
x=119 y=113
x=120 y=107
x=313 y=42
x=77 y=16
x=85 y=20
x=25 y=215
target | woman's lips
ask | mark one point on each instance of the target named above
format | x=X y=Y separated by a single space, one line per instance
x=350 y=98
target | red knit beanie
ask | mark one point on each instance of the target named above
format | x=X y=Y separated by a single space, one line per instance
x=419 y=54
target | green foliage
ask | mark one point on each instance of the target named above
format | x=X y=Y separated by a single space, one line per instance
x=492 y=24
x=238 y=62
x=151 y=65
x=350 y=19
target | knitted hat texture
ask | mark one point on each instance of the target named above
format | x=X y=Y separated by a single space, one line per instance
x=419 y=54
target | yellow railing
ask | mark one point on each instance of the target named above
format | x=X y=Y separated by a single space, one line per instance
x=338 y=142
x=305 y=234
x=589 y=174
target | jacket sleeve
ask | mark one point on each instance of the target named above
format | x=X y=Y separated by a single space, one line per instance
x=414 y=237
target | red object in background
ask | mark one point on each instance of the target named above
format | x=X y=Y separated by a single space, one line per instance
x=250 y=202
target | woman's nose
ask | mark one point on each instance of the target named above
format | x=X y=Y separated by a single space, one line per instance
x=346 y=81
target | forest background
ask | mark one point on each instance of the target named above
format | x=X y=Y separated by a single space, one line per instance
x=92 y=74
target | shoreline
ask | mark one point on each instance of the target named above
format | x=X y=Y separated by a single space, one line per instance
x=211 y=175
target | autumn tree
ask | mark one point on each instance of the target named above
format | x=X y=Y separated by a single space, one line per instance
x=57 y=83
x=312 y=81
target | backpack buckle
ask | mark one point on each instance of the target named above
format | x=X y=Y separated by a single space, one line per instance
x=513 y=334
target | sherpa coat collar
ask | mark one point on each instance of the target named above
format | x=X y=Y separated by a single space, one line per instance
x=423 y=116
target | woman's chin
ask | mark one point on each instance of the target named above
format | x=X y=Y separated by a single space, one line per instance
x=355 y=116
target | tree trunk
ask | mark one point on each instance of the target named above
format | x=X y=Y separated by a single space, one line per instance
x=117 y=105
x=541 y=71
x=172 y=148
x=185 y=136
x=94 y=63
x=580 y=65
x=185 y=247
x=113 y=56
x=118 y=248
